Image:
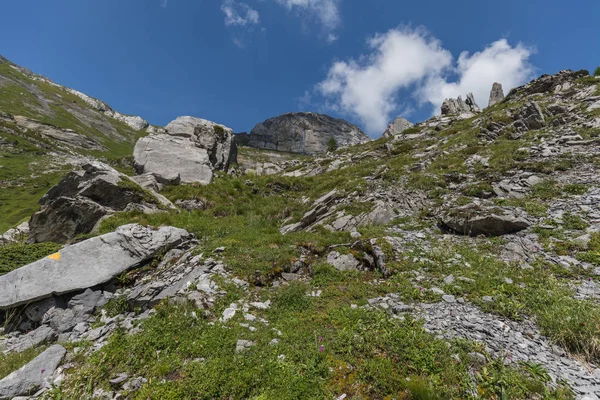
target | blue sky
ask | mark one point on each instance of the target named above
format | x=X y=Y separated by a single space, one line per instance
x=240 y=62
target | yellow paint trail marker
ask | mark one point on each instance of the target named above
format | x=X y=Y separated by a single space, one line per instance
x=55 y=256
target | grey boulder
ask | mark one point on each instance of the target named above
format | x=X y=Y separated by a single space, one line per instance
x=343 y=262
x=87 y=264
x=82 y=198
x=190 y=152
x=33 y=376
x=474 y=220
x=398 y=126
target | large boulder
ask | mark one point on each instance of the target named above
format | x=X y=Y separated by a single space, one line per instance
x=86 y=264
x=82 y=198
x=496 y=94
x=190 y=151
x=304 y=132
x=33 y=376
x=474 y=220
x=398 y=126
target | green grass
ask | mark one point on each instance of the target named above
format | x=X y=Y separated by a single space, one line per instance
x=543 y=295
x=14 y=361
x=25 y=177
x=16 y=255
x=326 y=348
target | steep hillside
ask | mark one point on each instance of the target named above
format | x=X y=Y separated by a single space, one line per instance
x=44 y=127
x=459 y=259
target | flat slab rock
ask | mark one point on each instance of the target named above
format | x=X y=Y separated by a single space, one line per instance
x=33 y=376
x=474 y=220
x=86 y=264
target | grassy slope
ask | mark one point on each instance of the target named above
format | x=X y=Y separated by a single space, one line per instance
x=24 y=174
x=331 y=348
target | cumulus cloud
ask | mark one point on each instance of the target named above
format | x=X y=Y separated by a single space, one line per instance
x=498 y=62
x=327 y=13
x=410 y=62
x=240 y=19
x=239 y=14
x=367 y=87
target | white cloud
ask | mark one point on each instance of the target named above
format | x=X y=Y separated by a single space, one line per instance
x=164 y=3
x=411 y=62
x=327 y=12
x=498 y=62
x=367 y=88
x=241 y=19
x=239 y=14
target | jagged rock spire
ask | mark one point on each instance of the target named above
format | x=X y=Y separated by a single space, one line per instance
x=496 y=94
x=459 y=106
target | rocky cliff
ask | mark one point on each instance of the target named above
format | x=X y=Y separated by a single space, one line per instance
x=306 y=133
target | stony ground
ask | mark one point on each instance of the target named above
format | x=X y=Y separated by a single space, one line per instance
x=460 y=259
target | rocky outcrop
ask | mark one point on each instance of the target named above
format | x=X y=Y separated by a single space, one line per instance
x=460 y=106
x=321 y=206
x=33 y=376
x=15 y=234
x=474 y=220
x=190 y=152
x=86 y=264
x=82 y=198
x=66 y=136
x=135 y=122
x=496 y=94
x=398 y=126
x=561 y=82
x=530 y=117
x=305 y=132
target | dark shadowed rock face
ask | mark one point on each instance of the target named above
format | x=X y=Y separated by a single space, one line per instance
x=82 y=198
x=306 y=133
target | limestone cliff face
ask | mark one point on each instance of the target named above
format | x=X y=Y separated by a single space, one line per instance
x=303 y=132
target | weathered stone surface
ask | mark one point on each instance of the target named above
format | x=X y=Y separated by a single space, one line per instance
x=77 y=203
x=86 y=264
x=132 y=121
x=398 y=126
x=547 y=83
x=305 y=132
x=190 y=153
x=42 y=335
x=459 y=106
x=476 y=220
x=496 y=94
x=67 y=136
x=15 y=234
x=320 y=207
x=530 y=117
x=33 y=376
x=343 y=262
